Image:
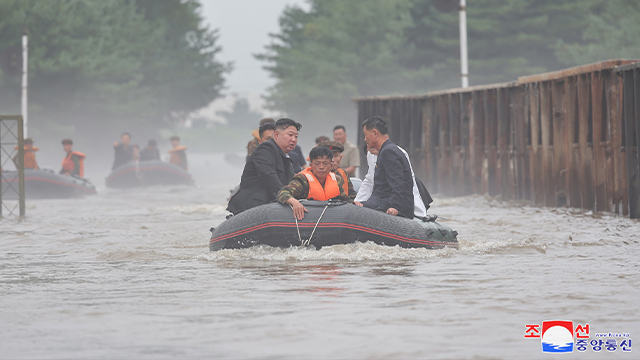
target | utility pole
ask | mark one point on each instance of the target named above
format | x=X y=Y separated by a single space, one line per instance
x=25 y=62
x=464 y=67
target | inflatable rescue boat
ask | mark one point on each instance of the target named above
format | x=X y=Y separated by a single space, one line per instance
x=148 y=173
x=328 y=223
x=45 y=184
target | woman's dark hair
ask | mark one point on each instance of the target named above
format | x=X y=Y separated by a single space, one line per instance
x=284 y=123
x=266 y=126
x=376 y=122
x=320 y=151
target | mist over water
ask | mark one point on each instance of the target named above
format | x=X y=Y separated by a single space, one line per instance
x=128 y=274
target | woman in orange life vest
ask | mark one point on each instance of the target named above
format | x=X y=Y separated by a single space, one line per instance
x=314 y=183
x=178 y=153
x=29 y=155
x=73 y=162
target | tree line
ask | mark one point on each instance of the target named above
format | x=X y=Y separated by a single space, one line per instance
x=117 y=64
x=333 y=50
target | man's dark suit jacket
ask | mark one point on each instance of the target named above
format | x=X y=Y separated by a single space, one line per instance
x=266 y=171
x=392 y=182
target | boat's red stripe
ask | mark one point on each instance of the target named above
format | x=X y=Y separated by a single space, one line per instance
x=88 y=189
x=146 y=168
x=326 y=225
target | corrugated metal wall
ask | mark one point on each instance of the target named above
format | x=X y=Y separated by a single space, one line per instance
x=567 y=138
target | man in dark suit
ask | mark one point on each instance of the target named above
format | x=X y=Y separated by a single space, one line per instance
x=392 y=179
x=268 y=168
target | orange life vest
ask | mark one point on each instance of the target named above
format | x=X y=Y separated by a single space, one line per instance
x=345 y=177
x=29 y=158
x=316 y=191
x=68 y=166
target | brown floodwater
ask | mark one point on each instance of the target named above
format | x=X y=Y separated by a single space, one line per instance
x=128 y=274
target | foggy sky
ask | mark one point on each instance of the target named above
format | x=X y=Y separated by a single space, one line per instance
x=243 y=27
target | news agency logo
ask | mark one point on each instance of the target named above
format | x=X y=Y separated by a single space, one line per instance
x=557 y=336
x=561 y=336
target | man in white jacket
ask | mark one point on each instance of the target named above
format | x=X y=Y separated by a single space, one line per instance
x=367 y=184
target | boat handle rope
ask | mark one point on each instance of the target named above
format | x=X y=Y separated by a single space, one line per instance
x=308 y=241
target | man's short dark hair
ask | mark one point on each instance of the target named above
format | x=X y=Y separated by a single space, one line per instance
x=284 y=123
x=67 y=141
x=28 y=141
x=376 y=122
x=320 y=151
x=152 y=143
x=338 y=127
x=174 y=137
x=264 y=127
x=266 y=120
x=126 y=133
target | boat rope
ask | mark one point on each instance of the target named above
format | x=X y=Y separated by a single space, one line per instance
x=308 y=241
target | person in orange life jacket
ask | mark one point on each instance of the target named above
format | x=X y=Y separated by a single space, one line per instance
x=73 y=162
x=29 y=155
x=178 y=153
x=314 y=183
x=337 y=149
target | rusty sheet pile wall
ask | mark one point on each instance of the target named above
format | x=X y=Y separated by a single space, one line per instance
x=567 y=138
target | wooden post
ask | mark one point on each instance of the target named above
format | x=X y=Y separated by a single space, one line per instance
x=465 y=135
x=559 y=132
x=600 y=128
x=517 y=115
x=547 y=144
x=536 y=168
x=491 y=121
x=444 y=159
x=629 y=131
x=476 y=142
x=571 y=144
x=504 y=137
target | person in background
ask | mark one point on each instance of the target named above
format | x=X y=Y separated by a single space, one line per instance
x=393 y=179
x=178 y=153
x=124 y=151
x=268 y=168
x=150 y=152
x=266 y=131
x=253 y=144
x=73 y=162
x=316 y=182
x=366 y=188
x=350 y=155
x=320 y=139
x=29 y=155
x=337 y=148
x=298 y=159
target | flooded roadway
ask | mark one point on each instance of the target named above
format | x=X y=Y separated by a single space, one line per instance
x=128 y=274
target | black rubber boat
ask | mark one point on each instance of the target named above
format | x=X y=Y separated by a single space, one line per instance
x=45 y=184
x=328 y=223
x=148 y=173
